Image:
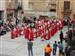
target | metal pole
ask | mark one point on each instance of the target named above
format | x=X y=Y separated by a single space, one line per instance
x=21 y=3
x=68 y=24
x=58 y=8
x=72 y=30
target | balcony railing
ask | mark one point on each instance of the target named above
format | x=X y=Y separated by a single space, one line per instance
x=68 y=11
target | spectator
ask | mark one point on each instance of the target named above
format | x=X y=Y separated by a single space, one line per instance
x=17 y=21
x=65 y=46
x=3 y=30
x=60 y=45
x=55 y=48
x=24 y=19
x=30 y=46
x=61 y=36
x=48 y=50
x=0 y=31
x=70 y=35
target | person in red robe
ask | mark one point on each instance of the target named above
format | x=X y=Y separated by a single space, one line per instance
x=14 y=32
x=43 y=37
x=25 y=28
x=34 y=32
x=38 y=32
x=62 y=21
x=58 y=25
x=45 y=25
x=52 y=30
x=27 y=33
x=17 y=32
x=31 y=34
x=50 y=21
x=55 y=28
x=22 y=30
x=37 y=25
x=49 y=33
x=12 y=35
x=41 y=30
x=44 y=34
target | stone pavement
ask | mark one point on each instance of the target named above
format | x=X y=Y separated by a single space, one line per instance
x=18 y=46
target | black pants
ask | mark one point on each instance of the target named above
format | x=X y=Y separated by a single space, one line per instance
x=61 y=40
x=54 y=51
x=60 y=52
x=30 y=52
x=47 y=54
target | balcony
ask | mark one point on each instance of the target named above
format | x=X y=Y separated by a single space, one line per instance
x=53 y=3
x=68 y=11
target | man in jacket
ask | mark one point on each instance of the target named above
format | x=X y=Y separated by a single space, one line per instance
x=55 y=48
x=61 y=36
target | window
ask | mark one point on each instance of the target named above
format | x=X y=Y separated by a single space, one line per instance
x=66 y=5
x=31 y=6
x=53 y=10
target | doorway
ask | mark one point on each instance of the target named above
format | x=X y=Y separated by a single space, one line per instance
x=1 y=18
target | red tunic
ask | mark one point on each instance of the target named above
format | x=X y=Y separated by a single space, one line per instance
x=52 y=30
x=16 y=32
x=22 y=31
x=55 y=28
x=31 y=34
x=44 y=34
x=27 y=33
x=49 y=33
x=62 y=24
x=12 y=35
x=58 y=25
x=39 y=32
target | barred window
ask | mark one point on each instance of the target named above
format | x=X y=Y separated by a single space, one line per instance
x=66 y=5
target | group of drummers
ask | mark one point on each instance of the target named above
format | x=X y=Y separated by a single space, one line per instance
x=42 y=28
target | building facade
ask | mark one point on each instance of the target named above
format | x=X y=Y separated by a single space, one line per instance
x=2 y=12
x=66 y=9
x=63 y=8
x=11 y=9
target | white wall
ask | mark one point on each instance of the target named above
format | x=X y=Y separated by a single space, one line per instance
x=2 y=4
x=3 y=8
x=25 y=4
